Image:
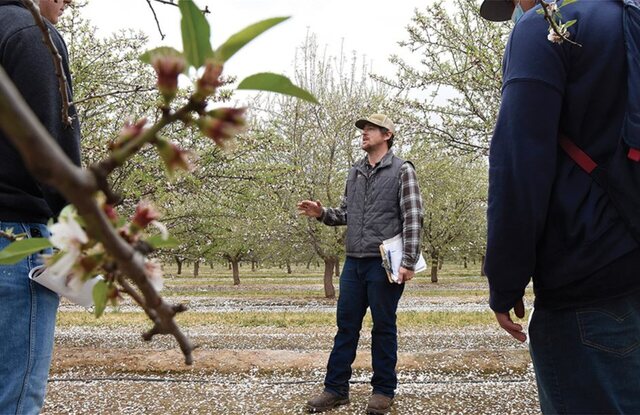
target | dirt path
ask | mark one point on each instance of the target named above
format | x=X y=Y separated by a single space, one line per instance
x=273 y=370
x=145 y=361
x=274 y=382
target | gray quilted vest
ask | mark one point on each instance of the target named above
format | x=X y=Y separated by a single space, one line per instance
x=373 y=206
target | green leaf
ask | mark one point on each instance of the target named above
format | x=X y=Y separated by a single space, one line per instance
x=276 y=83
x=566 y=3
x=570 y=23
x=157 y=242
x=100 y=297
x=162 y=50
x=195 y=34
x=246 y=35
x=18 y=250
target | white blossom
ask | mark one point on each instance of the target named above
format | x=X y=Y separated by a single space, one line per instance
x=153 y=270
x=68 y=236
x=162 y=228
x=555 y=37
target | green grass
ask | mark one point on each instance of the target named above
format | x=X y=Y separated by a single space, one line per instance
x=408 y=319
x=313 y=294
x=449 y=270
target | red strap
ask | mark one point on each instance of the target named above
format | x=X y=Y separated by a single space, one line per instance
x=634 y=154
x=581 y=158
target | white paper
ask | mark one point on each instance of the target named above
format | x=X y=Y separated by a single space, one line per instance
x=393 y=248
x=83 y=296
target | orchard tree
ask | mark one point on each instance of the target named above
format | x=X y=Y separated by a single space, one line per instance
x=454 y=192
x=99 y=240
x=319 y=144
x=451 y=75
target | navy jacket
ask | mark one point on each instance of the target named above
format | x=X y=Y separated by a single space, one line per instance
x=29 y=64
x=547 y=219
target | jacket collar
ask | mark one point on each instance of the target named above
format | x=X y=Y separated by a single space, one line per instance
x=11 y=2
x=384 y=162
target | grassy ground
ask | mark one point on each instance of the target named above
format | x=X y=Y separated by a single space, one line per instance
x=263 y=346
x=414 y=319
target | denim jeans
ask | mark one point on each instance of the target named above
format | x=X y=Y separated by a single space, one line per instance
x=587 y=359
x=364 y=283
x=27 y=322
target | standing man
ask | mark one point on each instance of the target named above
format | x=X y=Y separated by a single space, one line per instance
x=382 y=199
x=549 y=220
x=28 y=310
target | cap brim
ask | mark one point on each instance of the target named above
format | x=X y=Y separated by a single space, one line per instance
x=362 y=122
x=497 y=10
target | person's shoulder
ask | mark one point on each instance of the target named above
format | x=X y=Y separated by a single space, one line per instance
x=407 y=166
x=15 y=19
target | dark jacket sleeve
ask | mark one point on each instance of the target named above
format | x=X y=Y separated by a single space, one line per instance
x=30 y=65
x=521 y=174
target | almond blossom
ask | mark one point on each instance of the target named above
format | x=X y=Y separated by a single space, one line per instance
x=68 y=236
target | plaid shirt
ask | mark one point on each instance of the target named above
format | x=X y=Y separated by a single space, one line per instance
x=410 y=207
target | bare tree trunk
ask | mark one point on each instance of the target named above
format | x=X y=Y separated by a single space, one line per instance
x=289 y=267
x=309 y=264
x=253 y=265
x=229 y=264
x=464 y=259
x=196 y=268
x=329 y=267
x=440 y=262
x=434 y=267
x=236 y=272
x=337 y=268
x=482 y=274
x=179 y=262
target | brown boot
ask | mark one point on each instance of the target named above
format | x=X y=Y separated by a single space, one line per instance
x=325 y=401
x=379 y=404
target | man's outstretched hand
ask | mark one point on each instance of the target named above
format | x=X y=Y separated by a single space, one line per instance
x=514 y=329
x=310 y=208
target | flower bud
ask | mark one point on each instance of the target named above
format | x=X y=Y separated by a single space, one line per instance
x=128 y=132
x=110 y=212
x=145 y=214
x=222 y=124
x=210 y=80
x=168 y=67
x=173 y=156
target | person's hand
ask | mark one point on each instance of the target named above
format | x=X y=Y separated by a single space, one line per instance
x=514 y=329
x=310 y=208
x=405 y=275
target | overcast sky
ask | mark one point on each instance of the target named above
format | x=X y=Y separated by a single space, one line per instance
x=369 y=27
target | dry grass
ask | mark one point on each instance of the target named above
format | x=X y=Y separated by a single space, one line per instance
x=285 y=319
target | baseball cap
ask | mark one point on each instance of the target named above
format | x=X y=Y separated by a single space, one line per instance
x=497 y=10
x=380 y=120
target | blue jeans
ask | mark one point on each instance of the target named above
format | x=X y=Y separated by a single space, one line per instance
x=364 y=283
x=587 y=359
x=27 y=322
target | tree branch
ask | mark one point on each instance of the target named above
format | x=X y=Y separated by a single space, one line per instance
x=8 y=236
x=48 y=164
x=155 y=16
x=57 y=59
x=114 y=93
x=173 y=3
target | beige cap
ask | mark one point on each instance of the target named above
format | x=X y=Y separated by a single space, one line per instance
x=380 y=120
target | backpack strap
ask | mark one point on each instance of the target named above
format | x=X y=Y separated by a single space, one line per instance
x=634 y=154
x=631 y=30
x=581 y=158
